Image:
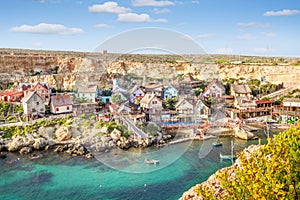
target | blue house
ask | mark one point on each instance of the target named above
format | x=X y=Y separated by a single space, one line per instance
x=170 y=92
x=105 y=99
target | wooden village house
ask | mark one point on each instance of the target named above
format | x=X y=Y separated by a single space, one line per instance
x=136 y=93
x=170 y=92
x=87 y=92
x=215 y=89
x=33 y=105
x=202 y=109
x=152 y=107
x=61 y=103
x=42 y=89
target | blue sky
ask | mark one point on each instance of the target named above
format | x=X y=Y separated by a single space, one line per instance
x=248 y=27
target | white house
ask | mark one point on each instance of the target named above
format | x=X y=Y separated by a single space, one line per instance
x=88 y=93
x=33 y=105
x=243 y=98
x=215 y=89
x=184 y=107
x=202 y=109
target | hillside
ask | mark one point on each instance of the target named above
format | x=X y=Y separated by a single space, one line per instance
x=65 y=70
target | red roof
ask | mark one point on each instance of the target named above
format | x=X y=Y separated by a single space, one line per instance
x=263 y=101
x=11 y=93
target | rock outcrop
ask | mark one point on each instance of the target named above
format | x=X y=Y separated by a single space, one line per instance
x=63 y=134
x=68 y=70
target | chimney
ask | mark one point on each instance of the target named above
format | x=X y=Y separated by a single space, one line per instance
x=56 y=97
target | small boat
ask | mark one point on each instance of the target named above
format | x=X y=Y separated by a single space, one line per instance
x=151 y=161
x=227 y=157
x=217 y=144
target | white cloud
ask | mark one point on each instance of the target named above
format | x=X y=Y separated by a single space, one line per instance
x=41 y=1
x=285 y=12
x=133 y=17
x=161 y=11
x=206 y=35
x=246 y=37
x=270 y=34
x=253 y=24
x=187 y=2
x=223 y=51
x=102 y=26
x=139 y=3
x=108 y=7
x=44 y=28
x=262 y=50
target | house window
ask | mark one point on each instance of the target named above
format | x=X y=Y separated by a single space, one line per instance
x=134 y=95
x=42 y=110
x=57 y=109
x=68 y=108
x=33 y=110
x=46 y=96
x=90 y=95
x=34 y=98
x=37 y=103
x=154 y=102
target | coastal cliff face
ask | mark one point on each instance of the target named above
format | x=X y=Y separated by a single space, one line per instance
x=65 y=70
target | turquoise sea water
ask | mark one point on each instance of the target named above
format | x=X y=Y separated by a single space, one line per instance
x=58 y=176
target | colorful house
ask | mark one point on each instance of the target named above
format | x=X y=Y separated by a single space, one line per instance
x=170 y=92
x=42 y=89
x=152 y=106
x=215 y=89
x=136 y=92
x=61 y=103
x=11 y=96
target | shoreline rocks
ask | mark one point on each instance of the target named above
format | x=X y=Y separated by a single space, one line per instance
x=66 y=143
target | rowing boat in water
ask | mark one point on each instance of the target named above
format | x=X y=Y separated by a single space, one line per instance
x=217 y=144
x=151 y=161
x=227 y=157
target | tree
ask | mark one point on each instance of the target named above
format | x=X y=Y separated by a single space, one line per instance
x=116 y=99
x=197 y=91
x=170 y=103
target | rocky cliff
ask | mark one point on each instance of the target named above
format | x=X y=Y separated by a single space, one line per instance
x=65 y=70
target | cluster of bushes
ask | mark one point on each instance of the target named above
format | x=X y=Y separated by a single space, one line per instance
x=273 y=172
x=4 y=111
x=111 y=125
x=10 y=131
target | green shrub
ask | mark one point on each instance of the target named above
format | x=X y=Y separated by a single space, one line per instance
x=273 y=172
